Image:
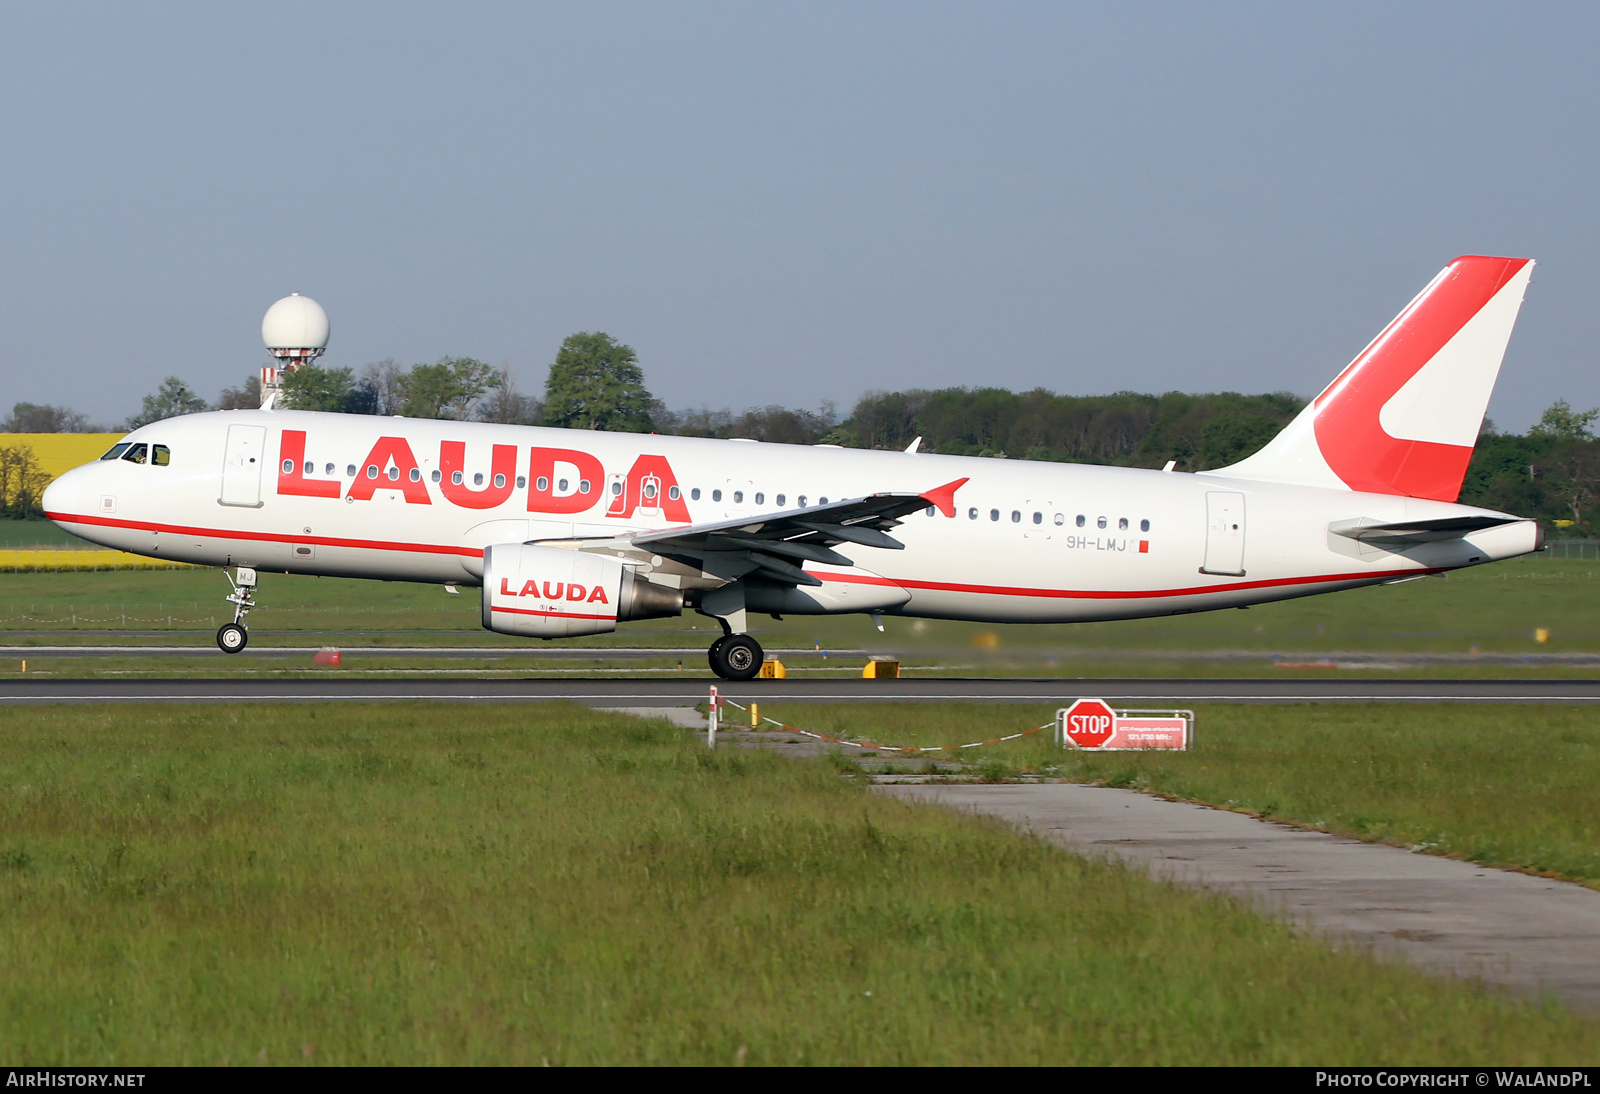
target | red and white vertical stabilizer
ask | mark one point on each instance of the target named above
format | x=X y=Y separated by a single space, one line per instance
x=1404 y=416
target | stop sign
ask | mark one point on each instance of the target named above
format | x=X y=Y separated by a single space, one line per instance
x=1089 y=722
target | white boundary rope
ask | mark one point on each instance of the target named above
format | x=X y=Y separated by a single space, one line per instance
x=717 y=700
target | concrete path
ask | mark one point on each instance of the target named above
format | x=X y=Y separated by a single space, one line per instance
x=1528 y=933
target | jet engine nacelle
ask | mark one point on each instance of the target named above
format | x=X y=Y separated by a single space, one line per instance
x=545 y=592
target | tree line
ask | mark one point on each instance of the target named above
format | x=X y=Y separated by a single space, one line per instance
x=596 y=382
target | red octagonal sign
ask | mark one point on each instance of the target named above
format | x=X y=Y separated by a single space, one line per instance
x=1089 y=723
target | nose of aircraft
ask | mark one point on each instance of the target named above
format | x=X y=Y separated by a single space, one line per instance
x=67 y=494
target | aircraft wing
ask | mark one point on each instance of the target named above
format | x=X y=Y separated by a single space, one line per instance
x=775 y=546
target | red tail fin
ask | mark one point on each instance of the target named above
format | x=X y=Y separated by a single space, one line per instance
x=1404 y=416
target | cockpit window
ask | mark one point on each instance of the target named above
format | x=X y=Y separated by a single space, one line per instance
x=137 y=453
x=160 y=455
x=116 y=450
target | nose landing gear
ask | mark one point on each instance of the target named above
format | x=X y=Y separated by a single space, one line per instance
x=735 y=657
x=233 y=637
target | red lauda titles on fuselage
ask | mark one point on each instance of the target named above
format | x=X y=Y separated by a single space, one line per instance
x=560 y=480
x=555 y=591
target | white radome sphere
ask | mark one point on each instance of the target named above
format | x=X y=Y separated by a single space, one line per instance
x=295 y=322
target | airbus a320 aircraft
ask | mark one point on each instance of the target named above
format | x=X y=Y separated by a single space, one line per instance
x=571 y=533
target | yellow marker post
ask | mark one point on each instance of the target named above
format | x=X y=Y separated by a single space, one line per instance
x=755 y=715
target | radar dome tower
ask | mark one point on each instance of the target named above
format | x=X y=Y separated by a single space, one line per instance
x=296 y=333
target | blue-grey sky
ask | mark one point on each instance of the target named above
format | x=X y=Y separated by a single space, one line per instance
x=790 y=203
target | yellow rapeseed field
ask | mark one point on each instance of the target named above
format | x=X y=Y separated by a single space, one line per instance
x=31 y=560
x=59 y=453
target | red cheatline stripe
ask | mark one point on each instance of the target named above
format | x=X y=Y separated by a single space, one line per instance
x=855 y=579
x=558 y=615
x=1123 y=594
x=271 y=537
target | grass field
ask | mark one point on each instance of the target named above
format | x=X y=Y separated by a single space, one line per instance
x=398 y=884
x=1497 y=609
x=1503 y=785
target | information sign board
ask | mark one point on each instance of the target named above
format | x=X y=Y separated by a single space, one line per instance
x=1092 y=725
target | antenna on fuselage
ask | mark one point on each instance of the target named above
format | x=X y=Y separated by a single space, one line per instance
x=295 y=330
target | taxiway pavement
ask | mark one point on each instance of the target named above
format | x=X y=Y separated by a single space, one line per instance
x=692 y=688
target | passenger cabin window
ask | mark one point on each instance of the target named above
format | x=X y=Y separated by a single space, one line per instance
x=673 y=493
x=1080 y=520
x=372 y=470
x=562 y=486
x=1061 y=518
x=738 y=496
x=416 y=474
x=994 y=514
x=780 y=499
x=1016 y=516
x=583 y=486
x=802 y=501
x=694 y=495
x=160 y=455
x=1101 y=523
x=477 y=480
x=522 y=480
x=499 y=482
x=328 y=470
x=311 y=468
x=541 y=484
x=761 y=499
x=616 y=489
x=972 y=514
x=436 y=476
x=350 y=471
x=139 y=453
x=1038 y=518
x=822 y=501
x=116 y=450
x=1144 y=526
x=716 y=495
x=649 y=491
x=455 y=478
x=1122 y=524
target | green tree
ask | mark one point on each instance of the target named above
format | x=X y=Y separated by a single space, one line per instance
x=172 y=398
x=596 y=383
x=1563 y=423
x=506 y=405
x=34 y=418
x=311 y=387
x=247 y=396
x=22 y=482
x=449 y=388
x=1230 y=437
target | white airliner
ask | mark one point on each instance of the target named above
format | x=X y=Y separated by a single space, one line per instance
x=570 y=532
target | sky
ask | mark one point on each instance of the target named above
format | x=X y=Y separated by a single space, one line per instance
x=791 y=203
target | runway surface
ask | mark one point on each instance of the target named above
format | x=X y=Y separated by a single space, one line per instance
x=1529 y=933
x=614 y=692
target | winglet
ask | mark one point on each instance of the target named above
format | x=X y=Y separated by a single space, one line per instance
x=944 y=496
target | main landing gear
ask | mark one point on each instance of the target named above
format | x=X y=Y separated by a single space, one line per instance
x=233 y=637
x=735 y=657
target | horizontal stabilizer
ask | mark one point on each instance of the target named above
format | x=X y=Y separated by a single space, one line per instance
x=1416 y=531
